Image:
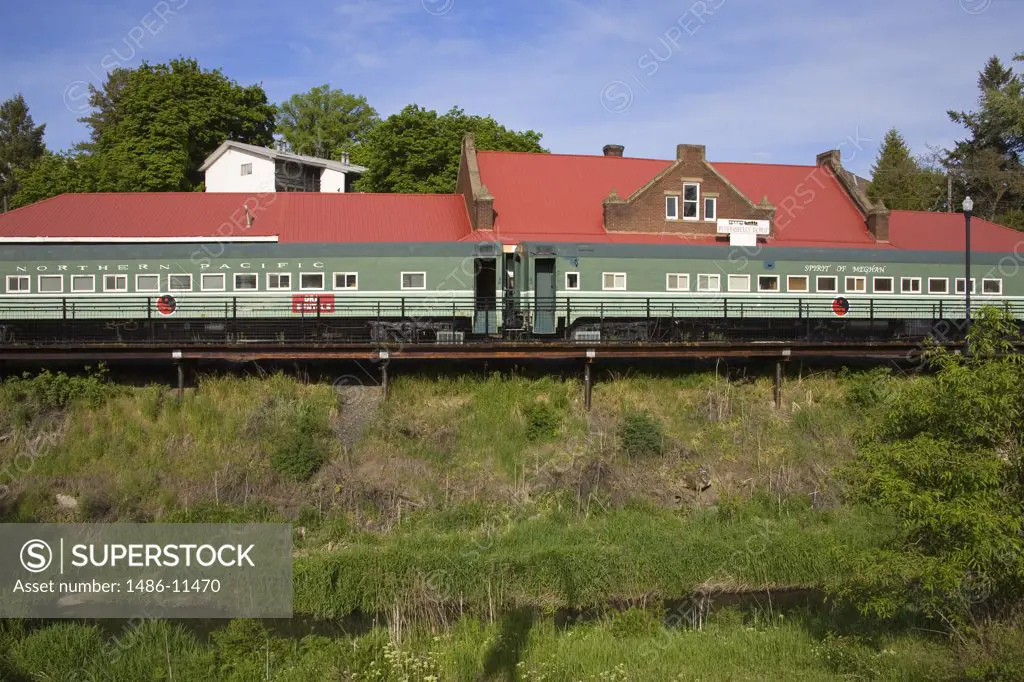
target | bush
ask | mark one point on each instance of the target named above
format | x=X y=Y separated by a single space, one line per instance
x=55 y=390
x=641 y=435
x=303 y=448
x=542 y=422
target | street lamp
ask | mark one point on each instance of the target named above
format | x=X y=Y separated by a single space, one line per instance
x=968 y=209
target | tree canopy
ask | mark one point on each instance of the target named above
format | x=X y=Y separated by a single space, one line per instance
x=899 y=181
x=325 y=122
x=417 y=149
x=21 y=144
x=150 y=130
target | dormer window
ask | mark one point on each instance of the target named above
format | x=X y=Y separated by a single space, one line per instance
x=671 y=208
x=691 y=201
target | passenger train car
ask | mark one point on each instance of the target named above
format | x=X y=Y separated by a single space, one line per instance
x=532 y=246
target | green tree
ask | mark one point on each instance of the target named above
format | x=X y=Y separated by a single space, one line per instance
x=325 y=122
x=153 y=126
x=897 y=179
x=945 y=465
x=21 y=144
x=988 y=165
x=417 y=149
x=55 y=174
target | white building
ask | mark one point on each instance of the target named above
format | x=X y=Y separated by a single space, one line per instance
x=240 y=167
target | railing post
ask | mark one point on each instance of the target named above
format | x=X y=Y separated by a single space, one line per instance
x=871 y=308
x=725 y=307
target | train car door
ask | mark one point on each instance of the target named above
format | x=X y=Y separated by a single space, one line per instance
x=485 y=312
x=544 y=296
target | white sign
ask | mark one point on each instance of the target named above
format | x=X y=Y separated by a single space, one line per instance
x=732 y=226
x=742 y=239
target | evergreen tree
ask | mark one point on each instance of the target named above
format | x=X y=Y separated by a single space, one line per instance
x=897 y=179
x=21 y=144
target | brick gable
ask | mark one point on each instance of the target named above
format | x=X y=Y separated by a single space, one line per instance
x=644 y=210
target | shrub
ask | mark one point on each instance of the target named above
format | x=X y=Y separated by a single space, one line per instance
x=54 y=390
x=542 y=421
x=303 y=448
x=635 y=622
x=641 y=435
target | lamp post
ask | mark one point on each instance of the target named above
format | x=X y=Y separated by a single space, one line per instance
x=968 y=209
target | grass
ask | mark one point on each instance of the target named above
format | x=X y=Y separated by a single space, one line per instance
x=731 y=646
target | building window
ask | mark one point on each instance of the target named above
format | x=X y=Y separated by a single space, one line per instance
x=180 y=282
x=671 y=208
x=290 y=176
x=279 y=281
x=246 y=169
x=613 y=281
x=691 y=201
x=767 y=282
x=882 y=285
x=827 y=285
x=346 y=280
x=739 y=282
x=710 y=208
x=856 y=285
x=677 y=282
x=798 y=283
x=910 y=285
x=414 y=280
x=147 y=283
x=18 y=284
x=84 y=284
x=214 y=281
x=992 y=287
x=960 y=285
x=709 y=282
x=938 y=285
x=117 y=284
x=246 y=281
x=572 y=281
x=50 y=284
x=311 y=281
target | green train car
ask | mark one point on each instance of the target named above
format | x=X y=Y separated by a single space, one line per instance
x=532 y=246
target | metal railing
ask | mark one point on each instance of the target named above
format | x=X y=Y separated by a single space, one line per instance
x=334 y=319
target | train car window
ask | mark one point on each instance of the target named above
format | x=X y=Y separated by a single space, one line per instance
x=691 y=201
x=910 y=285
x=18 y=284
x=572 y=281
x=739 y=282
x=213 y=281
x=613 y=281
x=346 y=280
x=882 y=285
x=677 y=281
x=147 y=283
x=938 y=285
x=311 y=281
x=179 y=282
x=710 y=208
x=414 y=280
x=246 y=281
x=83 y=284
x=827 y=285
x=767 y=282
x=50 y=284
x=709 y=282
x=671 y=208
x=992 y=287
x=960 y=285
x=279 y=281
x=856 y=285
x=115 y=283
x=798 y=283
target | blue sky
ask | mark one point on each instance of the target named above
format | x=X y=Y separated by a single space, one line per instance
x=772 y=82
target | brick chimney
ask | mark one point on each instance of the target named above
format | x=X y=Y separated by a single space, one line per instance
x=878 y=222
x=690 y=152
x=479 y=201
x=614 y=150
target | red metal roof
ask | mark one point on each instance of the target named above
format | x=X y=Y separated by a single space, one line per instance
x=292 y=217
x=945 y=232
